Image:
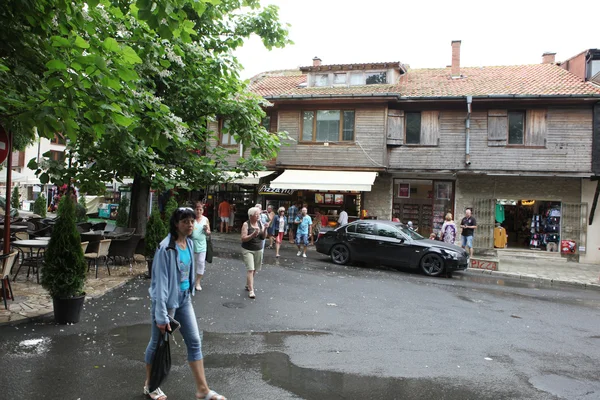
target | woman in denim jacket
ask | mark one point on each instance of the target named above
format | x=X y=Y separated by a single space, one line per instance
x=173 y=275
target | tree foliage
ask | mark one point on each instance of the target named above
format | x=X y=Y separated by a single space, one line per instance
x=14 y=198
x=40 y=206
x=65 y=268
x=81 y=210
x=156 y=231
x=170 y=208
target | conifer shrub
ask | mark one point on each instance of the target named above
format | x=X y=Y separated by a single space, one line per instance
x=170 y=209
x=122 y=214
x=156 y=231
x=64 y=271
x=39 y=206
x=14 y=198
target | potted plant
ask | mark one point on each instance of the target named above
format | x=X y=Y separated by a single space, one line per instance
x=39 y=206
x=14 y=199
x=64 y=271
x=156 y=231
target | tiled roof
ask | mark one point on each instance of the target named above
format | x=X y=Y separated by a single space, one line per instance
x=520 y=80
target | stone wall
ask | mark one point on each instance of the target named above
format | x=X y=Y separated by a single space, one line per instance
x=379 y=200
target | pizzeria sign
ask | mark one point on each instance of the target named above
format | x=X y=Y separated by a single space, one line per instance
x=264 y=189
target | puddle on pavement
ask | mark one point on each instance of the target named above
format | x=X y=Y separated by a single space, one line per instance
x=566 y=387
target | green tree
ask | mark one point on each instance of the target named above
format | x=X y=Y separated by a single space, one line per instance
x=122 y=213
x=156 y=231
x=14 y=198
x=65 y=268
x=170 y=208
x=40 y=206
x=81 y=210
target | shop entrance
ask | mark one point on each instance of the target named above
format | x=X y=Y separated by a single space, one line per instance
x=424 y=203
x=528 y=224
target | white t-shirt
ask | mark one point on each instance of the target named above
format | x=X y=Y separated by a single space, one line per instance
x=343 y=219
x=281 y=224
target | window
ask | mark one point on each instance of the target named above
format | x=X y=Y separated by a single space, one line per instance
x=357 y=79
x=387 y=231
x=376 y=78
x=227 y=138
x=321 y=80
x=328 y=126
x=516 y=127
x=413 y=128
x=339 y=79
x=266 y=123
x=59 y=139
x=366 y=228
x=351 y=228
x=57 y=155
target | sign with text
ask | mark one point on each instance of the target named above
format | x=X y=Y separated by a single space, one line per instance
x=264 y=189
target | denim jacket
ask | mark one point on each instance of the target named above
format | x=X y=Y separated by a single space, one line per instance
x=276 y=224
x=164 y=288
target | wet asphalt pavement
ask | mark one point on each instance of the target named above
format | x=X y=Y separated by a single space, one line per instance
x=320 y=331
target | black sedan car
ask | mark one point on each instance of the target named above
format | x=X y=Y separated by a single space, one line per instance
x=392 y=244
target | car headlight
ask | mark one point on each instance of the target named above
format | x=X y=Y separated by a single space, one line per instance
x=453 y=254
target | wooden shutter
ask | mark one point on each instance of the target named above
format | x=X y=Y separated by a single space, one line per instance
x=535 y=121
x=395 y=128
x=430 y=128
x=497 y=127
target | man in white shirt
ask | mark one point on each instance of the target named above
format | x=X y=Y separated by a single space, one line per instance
x=343 y=218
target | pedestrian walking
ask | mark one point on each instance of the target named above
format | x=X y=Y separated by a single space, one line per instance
x=271 y=230
x=449 y=230
x=292 y=214
x=304 y=224
x=199 y=237
x=171 y=289
x=281 y=227
x=468 y=225
x=343 y=218
x=224 y=211
x=253 y=238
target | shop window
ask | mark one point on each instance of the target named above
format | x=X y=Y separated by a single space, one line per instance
x=516 y=127
x=328 y=126
x=227 y=137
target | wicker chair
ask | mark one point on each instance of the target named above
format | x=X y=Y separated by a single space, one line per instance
x=8 y=262
x=102 y=253
x=100 y=226
x=125 y=249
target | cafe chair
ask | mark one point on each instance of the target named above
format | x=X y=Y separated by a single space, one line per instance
x=100 y=226
x=102 y=253
x=120 y=229
x=8 y=262
x=84 y=246
x=124 y=248
x=21 y=236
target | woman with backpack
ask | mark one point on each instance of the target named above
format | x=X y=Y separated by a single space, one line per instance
x=448 y=231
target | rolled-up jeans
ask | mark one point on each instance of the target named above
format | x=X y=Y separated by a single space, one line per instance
x=186 y=316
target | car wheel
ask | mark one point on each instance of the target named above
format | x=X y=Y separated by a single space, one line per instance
x=432 y=264
x=340 y=254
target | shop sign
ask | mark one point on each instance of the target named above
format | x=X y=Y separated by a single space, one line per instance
x=264 y=189
x=125 y=188
x=527 y=202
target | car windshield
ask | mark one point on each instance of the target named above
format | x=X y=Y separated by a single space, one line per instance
x=407 y=232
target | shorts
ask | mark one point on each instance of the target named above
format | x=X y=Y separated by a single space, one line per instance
x=200 y=261
x=252 y=259
x=225 y=219
x=279 y=237
x=467 y=241
x=302 y=237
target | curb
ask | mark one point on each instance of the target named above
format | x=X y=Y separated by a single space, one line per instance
x=44 y=315
x=557 y=282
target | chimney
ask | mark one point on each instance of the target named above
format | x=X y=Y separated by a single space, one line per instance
x=548 y=58
x=316 y=62
x=455 y=58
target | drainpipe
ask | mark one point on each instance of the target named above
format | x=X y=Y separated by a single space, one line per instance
x=468 y=131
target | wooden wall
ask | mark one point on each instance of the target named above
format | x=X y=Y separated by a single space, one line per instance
x=369 y=133
x=568 y=146
x=231 y=158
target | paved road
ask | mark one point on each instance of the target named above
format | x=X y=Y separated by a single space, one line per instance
x=319 y=331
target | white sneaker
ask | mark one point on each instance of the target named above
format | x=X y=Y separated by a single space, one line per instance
x=298 y=254
x=304 y=255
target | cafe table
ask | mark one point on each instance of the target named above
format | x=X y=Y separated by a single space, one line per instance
x=33 y=261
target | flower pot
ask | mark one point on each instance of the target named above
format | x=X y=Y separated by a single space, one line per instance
x=68 y=311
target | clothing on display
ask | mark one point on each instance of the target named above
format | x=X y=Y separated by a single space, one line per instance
x=500 y=237
x=500 y=213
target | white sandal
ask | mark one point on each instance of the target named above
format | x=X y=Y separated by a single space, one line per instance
x=212 y=395
x=156 y=395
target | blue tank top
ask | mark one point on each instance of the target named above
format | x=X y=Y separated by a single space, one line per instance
x=185 y=264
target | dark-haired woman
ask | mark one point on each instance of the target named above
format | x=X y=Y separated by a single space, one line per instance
x=173 y=275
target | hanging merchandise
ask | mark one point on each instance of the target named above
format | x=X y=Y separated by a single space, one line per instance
x=500 y=213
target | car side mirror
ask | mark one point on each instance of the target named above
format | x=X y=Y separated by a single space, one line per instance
x=400 y=240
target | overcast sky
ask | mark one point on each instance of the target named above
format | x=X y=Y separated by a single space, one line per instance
x=419 y=33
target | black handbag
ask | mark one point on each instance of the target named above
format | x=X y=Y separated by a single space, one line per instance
x=209 y=249
x=161 y=364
